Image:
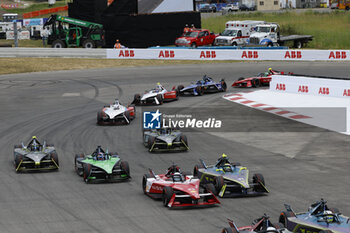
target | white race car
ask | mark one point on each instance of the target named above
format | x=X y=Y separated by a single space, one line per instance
x=116 y=114
x=156 y=96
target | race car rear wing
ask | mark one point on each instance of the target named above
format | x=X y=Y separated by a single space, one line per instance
x=289 y=209
x=232 y=225
x=203 y=163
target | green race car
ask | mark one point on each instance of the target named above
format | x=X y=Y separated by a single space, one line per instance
x=101 y=165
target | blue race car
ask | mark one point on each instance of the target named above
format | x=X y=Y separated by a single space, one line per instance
x=319 y=218
x=205 y=85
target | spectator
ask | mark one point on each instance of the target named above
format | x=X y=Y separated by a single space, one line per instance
x=186 y=28
x=45 y=35
x=117 y=45
x=193 y=27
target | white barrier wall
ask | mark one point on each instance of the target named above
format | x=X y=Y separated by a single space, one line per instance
x=310 y=86
x=230 y=54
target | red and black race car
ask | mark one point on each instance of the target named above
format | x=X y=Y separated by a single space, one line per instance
x=262 y=79
x=260 y=225
x=178 y=189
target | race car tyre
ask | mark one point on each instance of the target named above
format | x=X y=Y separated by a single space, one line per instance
x=89 y=44
x=258 y=179
x=241 y=78
x=144 y=182
x=199 y=90
x=86 y=172
x=77 y=170
x=179 y=88
x=326 y=231
x=228 y=230
x=127 y=115
x=219 y=182
x=125 y=167
x=99 y=118
x=256 y=83
x=160 y=99
x=114 y=154
x=151 y=141
x=284 y=217
x=278 y=225
x=196 y=170
x=177 y=93
x=54 y=157
x=184 y=140
x=224 y=86
x=167 y=194
x=17 y=161
x=211 y=188
x=137 y=99
x=17 y=146
x=58 y=44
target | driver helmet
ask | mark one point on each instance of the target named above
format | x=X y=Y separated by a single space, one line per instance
x=227 y=167
x=270 y=229
x=224 y=155
x=34 y=146
x=159 y=87
x=177 y=177
x=100 y=156
x=329 y=216
x=270 y=70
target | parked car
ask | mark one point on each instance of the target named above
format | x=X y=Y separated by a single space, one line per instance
x=196 y=37
x=244 y=7
x=208 y=8
x=230 y=7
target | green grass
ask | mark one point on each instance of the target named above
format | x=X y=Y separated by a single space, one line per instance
x=25 y=43
x=35 y=7
x=330 y=30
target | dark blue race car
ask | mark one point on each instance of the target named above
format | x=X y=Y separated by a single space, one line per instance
x=205 y=85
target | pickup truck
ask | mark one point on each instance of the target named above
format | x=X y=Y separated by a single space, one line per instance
x=230 y=7
x=196 y=37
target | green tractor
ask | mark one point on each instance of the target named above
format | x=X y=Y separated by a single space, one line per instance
x=68 y=32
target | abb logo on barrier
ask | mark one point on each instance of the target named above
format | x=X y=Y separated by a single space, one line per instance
x=126 y=53
x=323 y=91
x=208 y=54
x=337 y=55
x=250 y=54
x=303 y=89
x=293 y=54
x=346 y=92
x=166 y=53
x=281 y=86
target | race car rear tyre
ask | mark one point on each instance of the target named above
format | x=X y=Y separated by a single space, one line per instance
x=177 y=93
x=196 y=170
x=219 y=182
x=77 y=170
x=99 y=118
x=256 y=83
x=86 y=172
x=137 y=99
x=284 y=217
x=211 y=188
x=17 y=161
x=199 y=90
x=258 y=179
x=228 y=230
x=54 y=157
x=125 y=167
x=150 y=143
x=160 y=99
x=184 y=140
x=167 y=194
x=224 y=86
x=241 y=78
x=144 y=182
x=179 y=88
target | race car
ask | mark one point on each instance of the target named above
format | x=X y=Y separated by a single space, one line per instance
x=230 y=179
x=116 y=114
x=205 y=85
x=164 y=139
x=101 y=166
x=262 y=79
x=259 y=225
x=35 y=156
x=178 y=189
x=319 y=218
x=156 y=96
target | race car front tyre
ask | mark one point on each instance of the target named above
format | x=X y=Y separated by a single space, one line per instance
x=224 y=86
x=167 y=194
x=86 y=172
x=179 y=88
x=256 y=83
x=99 y=118
x=78 y=170
x=17 y=161
x=199 y=90
x=125 y=167
x=228 y=230
x=258 y=179
x=284 y=217
x=196 y=170
x=54 y=157
x=160 y=99
x=151 y=141
x=137 y=99
x=144 y=182
x=211 y=188
x=184 y=140
x=219 y=182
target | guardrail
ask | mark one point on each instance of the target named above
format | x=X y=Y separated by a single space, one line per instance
x=51 y=52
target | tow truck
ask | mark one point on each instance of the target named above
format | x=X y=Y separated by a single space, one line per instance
x=70 y=32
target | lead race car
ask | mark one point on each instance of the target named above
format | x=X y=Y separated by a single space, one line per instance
x=259 y=225
x=35 y=156
x=156 y=96
x=262 y=79
x=319 y=218
x=165 y=139
x=101 y=165
x=205 y=85
x=178 y=189
x=230 y=179
x=116 y=114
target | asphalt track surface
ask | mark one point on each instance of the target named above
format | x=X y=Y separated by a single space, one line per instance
x=61 y=108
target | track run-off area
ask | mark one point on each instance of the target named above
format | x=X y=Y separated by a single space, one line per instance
x=301 y=163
